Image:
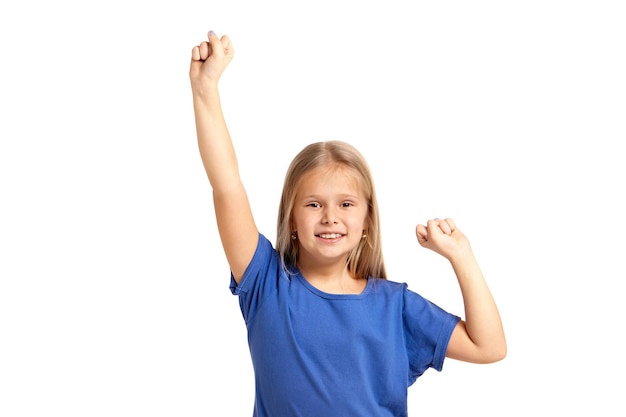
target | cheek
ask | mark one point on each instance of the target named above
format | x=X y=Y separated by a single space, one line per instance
x=301 y=221
x=360 y=221
x=366 y=221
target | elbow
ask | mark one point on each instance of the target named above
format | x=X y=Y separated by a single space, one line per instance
x=496 y=354
x=490 y=353
x=499 y=355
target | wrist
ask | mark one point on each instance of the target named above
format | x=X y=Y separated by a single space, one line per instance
x=461 y=257
x=206 y=93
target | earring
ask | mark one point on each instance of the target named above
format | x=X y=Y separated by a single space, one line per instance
x=294 y=235
x=364 y=235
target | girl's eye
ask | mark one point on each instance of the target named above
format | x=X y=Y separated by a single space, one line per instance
x=315 y=205
x=346 y=204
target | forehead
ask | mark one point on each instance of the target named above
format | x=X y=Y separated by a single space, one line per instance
x=331 y=179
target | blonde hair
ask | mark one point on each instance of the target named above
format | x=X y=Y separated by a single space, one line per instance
x=366 y=260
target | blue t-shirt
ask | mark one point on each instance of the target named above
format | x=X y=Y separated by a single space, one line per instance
x=317 y=354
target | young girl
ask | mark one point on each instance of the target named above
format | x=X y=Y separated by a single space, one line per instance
x=329 y=335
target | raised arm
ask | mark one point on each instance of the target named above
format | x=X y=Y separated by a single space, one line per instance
x=235 y=222
x=480 y=337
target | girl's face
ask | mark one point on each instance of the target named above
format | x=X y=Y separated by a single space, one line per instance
x=329 y=215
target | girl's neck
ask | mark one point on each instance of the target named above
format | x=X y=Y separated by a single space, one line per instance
x=333 y=279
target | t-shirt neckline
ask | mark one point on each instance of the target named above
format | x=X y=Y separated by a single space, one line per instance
x=332 y=296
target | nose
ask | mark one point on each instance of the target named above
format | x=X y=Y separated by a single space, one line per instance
x=329 y=217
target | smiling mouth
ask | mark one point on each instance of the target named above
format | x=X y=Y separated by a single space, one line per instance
x=330 y=235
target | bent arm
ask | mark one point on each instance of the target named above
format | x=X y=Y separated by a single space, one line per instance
x=235 y=221
x=480 y=337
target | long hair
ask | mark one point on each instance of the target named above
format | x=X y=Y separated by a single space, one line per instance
x=366 y=260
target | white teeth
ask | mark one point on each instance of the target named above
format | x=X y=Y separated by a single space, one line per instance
x=330 y=235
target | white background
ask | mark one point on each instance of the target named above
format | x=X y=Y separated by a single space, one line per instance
x=507 y=116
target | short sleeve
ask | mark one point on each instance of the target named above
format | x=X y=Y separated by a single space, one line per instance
x=428 y=329
x=259 y=278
